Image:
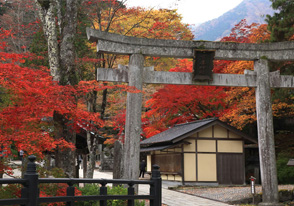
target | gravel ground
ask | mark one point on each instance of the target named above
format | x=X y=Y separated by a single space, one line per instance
x=226 y=194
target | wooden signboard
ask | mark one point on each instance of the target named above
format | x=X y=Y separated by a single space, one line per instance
x=203 y=65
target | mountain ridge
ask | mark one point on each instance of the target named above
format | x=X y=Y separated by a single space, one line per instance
x=254 y=11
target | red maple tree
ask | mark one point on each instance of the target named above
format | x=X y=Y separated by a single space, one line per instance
x=32 y=99
x=174 y=104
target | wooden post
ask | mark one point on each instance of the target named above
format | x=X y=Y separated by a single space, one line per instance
x=70 y=192
x=266 y=134
x=133 y=119
x=30 y=189
x=183 y=166
x=156 y=188
x=85 y=165
x=131 y=191
x=117 y=161
x=103 y=192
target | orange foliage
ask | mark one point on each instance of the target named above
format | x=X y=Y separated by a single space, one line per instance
x=241 y=100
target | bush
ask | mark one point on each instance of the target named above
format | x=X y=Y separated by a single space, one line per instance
x=94 y=189
x=10 y=191
x=118 y=190
x=89 y=189
x=285 y=173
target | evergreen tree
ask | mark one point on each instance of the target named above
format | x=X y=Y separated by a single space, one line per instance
x=281 y=26
x=282 y=22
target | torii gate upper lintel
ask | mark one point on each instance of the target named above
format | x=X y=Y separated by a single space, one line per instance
x=260 y=78
x=126 y=45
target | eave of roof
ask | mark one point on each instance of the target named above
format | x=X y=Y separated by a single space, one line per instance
x=148 y=149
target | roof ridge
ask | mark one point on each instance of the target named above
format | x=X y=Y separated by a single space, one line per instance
x=197 y=121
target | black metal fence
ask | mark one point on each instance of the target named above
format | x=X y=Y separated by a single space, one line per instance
x=31 y=181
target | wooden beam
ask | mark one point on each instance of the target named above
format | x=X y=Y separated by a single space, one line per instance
x=184 y=78
x=119 y=44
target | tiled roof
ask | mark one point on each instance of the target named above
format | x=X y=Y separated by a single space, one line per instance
x=177 y=131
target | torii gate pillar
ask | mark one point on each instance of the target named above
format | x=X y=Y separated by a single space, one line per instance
x=133 y=119
x=266 y=140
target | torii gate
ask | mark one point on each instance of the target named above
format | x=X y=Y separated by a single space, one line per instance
x=260 y=78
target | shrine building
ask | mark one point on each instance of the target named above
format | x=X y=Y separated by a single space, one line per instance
x=205 y=151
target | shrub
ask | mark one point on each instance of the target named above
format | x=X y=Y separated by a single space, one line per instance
x=118 y=190
x=89 y=189
x=285 y=173
x=94 y=189
x=10 y=191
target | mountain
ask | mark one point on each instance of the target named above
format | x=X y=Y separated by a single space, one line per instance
x=254 y=11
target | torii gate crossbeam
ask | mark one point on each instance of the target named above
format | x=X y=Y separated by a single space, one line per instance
x=119 y=44
x=260 y=78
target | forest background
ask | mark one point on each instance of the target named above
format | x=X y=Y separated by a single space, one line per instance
x=49 y=94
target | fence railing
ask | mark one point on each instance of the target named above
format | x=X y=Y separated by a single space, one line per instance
x=30 y=191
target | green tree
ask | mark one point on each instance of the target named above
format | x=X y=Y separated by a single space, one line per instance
x=282 y=21
x=281 y=26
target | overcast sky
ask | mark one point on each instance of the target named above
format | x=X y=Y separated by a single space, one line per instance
x=192 y=11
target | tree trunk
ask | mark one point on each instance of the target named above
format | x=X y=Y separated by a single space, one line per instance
x=104 y=102
x=66 y=157
x=46 y=15
x=85 y=165
x=68 y=76
x=62 y=64
x=92 y=140
x=67 y=48
x=92 y=146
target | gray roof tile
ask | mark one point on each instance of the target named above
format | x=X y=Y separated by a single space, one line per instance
x=177 y=131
